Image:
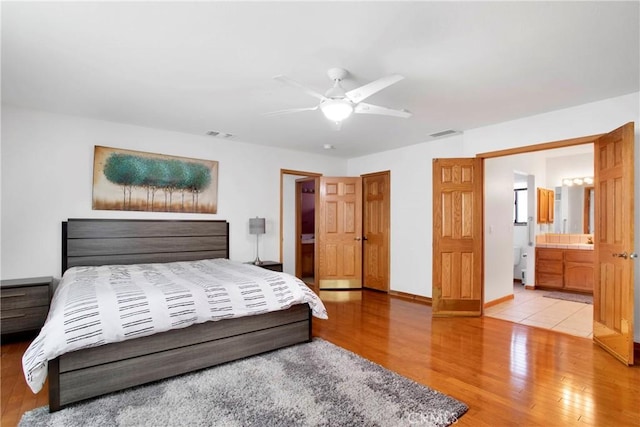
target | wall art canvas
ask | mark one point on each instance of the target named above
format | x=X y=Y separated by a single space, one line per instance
x=137 y=181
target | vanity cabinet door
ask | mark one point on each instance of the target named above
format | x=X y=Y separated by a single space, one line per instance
x=546 y=205
x=543 y=206
x=578 y=270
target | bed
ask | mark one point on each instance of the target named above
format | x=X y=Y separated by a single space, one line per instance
x=95 y=371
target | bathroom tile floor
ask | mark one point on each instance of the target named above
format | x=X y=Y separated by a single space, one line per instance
x=530 y=307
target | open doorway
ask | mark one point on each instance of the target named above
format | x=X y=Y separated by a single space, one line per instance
x=613 y=256
x=289 y=234
x=556 y=307
x=305 y=195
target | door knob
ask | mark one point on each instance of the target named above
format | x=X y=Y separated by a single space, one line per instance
x=356 y=238
x=622 y=255
x=633 y=255
x=364 y=238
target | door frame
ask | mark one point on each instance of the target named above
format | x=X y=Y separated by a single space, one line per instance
x=284 y=172
x=571 y=142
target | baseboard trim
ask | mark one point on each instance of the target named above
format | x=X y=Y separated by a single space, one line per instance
x=498 y=301
x=530 y=287
x=412 y=297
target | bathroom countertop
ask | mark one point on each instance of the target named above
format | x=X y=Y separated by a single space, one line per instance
x=580 y=246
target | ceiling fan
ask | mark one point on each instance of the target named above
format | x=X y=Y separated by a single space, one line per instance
x=337 y=104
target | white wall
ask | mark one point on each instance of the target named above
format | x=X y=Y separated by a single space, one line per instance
x=46 y=177
x=411 y=208
x=569 y=166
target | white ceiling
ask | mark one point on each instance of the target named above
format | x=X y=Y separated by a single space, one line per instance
x=195 y=67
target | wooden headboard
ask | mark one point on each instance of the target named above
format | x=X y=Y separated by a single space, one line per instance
x=134 y=241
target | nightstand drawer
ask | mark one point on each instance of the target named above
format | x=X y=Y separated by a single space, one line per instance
x=23 y=319
x=24 y=296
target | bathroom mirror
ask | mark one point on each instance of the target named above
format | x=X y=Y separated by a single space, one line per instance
x=573 y=210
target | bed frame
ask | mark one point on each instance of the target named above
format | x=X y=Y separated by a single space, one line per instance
x=96 y=371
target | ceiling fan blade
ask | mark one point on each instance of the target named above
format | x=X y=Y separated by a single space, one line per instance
x=286 y=80
x=290 y=110
x=364 y=108
x=363 y=92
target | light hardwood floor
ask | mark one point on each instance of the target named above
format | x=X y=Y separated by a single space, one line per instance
x=508 y=374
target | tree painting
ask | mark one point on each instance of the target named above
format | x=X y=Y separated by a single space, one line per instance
x=131 y=180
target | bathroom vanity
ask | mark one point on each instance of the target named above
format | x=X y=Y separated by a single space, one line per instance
x=565 y=268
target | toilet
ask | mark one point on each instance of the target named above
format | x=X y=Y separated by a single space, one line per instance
x=517 y=251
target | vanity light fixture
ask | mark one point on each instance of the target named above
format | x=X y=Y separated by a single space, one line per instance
x=588 y=180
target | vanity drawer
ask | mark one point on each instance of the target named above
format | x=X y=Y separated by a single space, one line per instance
x=24 y=296
x=549 y=254
x=579 y=256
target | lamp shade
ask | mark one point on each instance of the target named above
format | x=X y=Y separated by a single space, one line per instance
x=256 y=225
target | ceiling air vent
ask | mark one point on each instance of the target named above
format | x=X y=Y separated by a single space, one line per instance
x=217 y=134
x=443 y=133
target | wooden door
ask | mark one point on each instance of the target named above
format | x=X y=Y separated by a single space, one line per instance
x=339 y=233
x=376 y=225
x=457 y=237
x=613 y=307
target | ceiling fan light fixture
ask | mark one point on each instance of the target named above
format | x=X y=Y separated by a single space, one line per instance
x=336 y=110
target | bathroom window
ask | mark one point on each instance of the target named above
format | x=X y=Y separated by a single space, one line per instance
x=520 y=206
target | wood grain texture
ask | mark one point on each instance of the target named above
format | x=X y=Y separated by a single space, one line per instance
x=339 y=233
x=457 y=237
x=85 y=383
x=613 y=298
x=376 y=216
x=509 y=374
x=88 y=241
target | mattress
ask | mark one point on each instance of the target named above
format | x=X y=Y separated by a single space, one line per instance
x=97 y=305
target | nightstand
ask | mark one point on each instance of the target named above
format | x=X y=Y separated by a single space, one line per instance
x=270 y=265
x=24 y=304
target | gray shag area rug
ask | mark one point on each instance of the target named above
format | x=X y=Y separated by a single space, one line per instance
x=567 y=296
x=311 y=384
